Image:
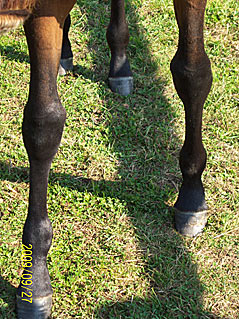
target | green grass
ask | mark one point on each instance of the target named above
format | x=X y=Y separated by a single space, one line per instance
x=115 y=253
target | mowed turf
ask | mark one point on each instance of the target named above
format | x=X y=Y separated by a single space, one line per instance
x=115 y=253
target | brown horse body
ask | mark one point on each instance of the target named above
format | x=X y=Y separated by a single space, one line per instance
x=44 y=118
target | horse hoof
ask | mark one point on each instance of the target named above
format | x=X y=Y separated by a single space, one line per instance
x=190 y=223
x=65 y=65
x=40 y=308
x=121 y=85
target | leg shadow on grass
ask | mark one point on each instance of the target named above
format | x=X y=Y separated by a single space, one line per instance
x=142 y=132
x=175 y=290
x=13 y=53
x=7 y=294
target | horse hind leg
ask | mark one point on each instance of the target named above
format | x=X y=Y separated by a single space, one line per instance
x=120 y=76
x=44 y=118
x=66 y=62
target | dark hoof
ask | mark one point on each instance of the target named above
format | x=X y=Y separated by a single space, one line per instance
x=40 y=308
x=190 y=223
x=65 y=65
x=121 y=85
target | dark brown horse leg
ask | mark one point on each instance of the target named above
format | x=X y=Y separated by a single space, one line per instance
x=120 y=75
x=192 y=77
x=44 y=118
x=66 y=62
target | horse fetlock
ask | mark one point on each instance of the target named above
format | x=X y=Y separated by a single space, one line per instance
x=117 y=36
x=192 y=160
x=37 y=233
x=35 y=281
x=39 y=308
x=37 y=237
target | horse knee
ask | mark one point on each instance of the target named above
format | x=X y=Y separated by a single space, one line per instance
x=192 y=81
x=42 y=130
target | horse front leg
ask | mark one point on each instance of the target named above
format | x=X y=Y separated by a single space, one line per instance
x=120 y=75
x=192 y=77
x=44 y=118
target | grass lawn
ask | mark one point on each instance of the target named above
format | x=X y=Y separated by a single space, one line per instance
x=115 y=253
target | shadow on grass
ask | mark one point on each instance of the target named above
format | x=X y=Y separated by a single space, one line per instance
x=175 y=288
x=7 y=294
x=14 y=54
x=148 y=148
